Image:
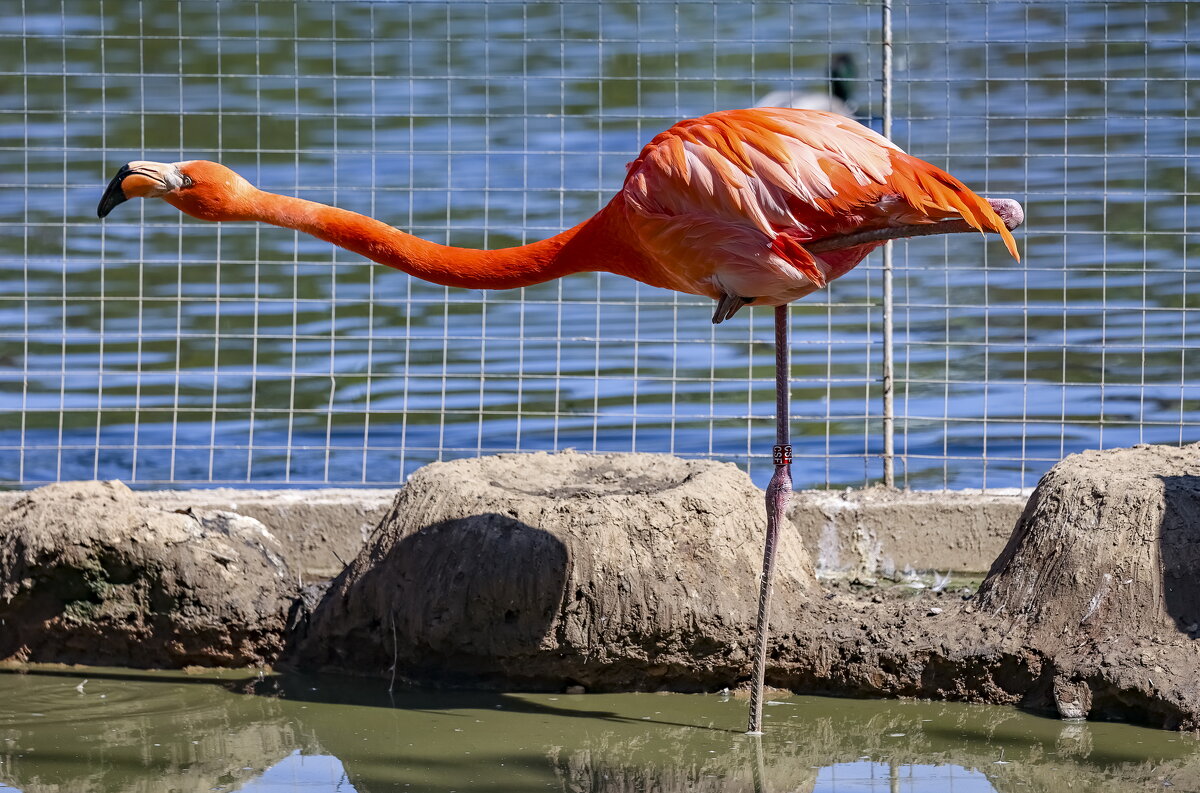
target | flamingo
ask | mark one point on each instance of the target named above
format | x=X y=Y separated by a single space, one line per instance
x=748 y=207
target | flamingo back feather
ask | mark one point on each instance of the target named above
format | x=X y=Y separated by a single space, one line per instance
x=723 y=204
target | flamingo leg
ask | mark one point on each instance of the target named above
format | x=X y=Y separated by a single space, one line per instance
x=779 y=493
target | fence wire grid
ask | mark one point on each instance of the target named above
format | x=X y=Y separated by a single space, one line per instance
x=168 y=352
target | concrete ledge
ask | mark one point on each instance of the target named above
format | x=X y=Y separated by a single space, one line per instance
x=877 y=530
x=848 y=532
x=320 y=530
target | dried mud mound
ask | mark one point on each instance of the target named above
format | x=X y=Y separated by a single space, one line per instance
x=1102 y=573
x=633 y=572
x=1090 y=611
x=89 y=575
x=1108 y=545
x=615 y=571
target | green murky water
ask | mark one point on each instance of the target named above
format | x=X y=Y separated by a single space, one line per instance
x=154 y=732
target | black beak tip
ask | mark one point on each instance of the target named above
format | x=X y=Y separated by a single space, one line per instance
x=113 y=194
x=106 y=206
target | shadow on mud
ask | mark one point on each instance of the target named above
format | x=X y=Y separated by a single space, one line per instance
x=1179 y=548
x=450 y=601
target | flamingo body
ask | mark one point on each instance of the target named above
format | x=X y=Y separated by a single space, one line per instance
x=723 y=204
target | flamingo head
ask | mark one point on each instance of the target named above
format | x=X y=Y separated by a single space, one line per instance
x=202 y=189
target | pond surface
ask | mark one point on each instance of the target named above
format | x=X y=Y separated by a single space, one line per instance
x=152 y=732
x=166 y=351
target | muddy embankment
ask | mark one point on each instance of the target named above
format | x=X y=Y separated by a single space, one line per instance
x=632 y=571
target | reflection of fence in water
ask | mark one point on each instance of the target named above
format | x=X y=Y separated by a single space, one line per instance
x=162 y=351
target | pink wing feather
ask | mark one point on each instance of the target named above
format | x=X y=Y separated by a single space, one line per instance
x=722 y=205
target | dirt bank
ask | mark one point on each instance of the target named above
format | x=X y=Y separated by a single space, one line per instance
x=616 y=570
x=89 y=575
x=630 y=571
x=636 y=571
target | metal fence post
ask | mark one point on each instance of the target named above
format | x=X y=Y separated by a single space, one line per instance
x=889 y=363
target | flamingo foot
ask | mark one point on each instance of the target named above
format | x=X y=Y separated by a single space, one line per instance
x=728 y=305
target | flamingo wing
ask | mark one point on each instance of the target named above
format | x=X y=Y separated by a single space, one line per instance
x=722 y=205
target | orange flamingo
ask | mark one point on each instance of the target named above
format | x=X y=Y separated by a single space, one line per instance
x=760 y=206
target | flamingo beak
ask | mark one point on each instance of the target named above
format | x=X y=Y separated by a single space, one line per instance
x=138 y=179
x=113 y=194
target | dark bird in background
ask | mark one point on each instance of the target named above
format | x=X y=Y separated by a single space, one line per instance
x=843 y=71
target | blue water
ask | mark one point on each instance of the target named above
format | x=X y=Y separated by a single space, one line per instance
x=162 y=351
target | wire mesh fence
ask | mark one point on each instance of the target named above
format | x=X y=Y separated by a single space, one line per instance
x=166 y=351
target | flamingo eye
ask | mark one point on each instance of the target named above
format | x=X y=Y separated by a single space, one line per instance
x=187 y=181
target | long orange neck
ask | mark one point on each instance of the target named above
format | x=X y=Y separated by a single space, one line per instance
x=594 y=245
